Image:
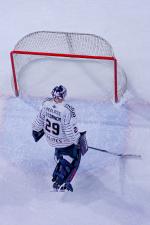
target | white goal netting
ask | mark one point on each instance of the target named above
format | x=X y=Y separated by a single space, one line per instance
x=84 y=63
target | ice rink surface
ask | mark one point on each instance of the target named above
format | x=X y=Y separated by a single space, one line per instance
x=107 y=190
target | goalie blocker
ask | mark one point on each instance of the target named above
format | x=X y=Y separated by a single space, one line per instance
x=83 y=143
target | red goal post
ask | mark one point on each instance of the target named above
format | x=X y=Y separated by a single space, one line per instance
x=28 y=46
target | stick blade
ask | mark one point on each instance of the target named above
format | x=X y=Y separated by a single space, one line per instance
x=130 y=156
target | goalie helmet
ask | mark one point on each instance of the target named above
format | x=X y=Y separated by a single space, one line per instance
x=59 y=92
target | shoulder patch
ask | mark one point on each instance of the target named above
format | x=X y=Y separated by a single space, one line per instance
x=71 y=109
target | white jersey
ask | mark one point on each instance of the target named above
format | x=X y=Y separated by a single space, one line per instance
x=59 y=122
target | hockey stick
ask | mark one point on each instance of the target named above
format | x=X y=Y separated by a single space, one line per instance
x=116 y=154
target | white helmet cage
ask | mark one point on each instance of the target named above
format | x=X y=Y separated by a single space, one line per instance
x=59 y=92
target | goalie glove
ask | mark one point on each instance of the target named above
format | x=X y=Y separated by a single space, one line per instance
x=83 y=143
x=37 y=135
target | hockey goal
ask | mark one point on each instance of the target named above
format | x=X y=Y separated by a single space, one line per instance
x=43 y=59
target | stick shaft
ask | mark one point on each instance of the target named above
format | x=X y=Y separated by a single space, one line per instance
x=114 y=153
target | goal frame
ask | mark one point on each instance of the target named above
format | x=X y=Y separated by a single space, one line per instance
x=78 y=56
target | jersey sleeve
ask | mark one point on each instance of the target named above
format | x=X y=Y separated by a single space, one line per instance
x=70 y=125
x=38 y=123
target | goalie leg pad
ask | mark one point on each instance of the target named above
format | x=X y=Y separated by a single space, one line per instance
x=56 y=171
x=62 y=171
x=75 y=165
x=65 y=172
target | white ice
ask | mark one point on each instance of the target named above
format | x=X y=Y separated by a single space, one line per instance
x=107 y=190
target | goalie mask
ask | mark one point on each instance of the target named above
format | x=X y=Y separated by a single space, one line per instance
x=59 y=92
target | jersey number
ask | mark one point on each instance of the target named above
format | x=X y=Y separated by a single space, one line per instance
x=52 y=127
